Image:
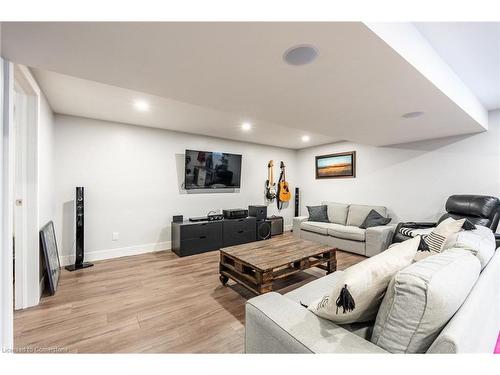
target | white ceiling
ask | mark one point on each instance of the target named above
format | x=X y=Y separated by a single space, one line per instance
x=208 y=77
x=472 y=50
x=79 y=97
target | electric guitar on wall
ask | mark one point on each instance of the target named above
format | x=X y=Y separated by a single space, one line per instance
x=270 y=184
x=283 y=189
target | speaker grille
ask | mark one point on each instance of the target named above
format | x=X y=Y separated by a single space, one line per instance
x=263 y=230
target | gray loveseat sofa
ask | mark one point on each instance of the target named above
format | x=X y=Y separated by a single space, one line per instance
x=343 y=230
x=278 y=323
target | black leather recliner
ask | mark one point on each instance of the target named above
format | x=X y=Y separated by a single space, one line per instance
x=479 y=209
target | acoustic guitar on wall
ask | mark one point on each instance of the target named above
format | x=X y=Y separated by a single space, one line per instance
x=283 y=189
x=270 y=184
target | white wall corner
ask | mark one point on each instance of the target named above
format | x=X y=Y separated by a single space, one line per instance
x=410 y=44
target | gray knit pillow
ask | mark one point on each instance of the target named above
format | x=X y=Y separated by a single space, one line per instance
x=374 y=219
x=318 y=213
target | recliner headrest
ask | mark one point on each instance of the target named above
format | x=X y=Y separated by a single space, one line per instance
x=472 y=205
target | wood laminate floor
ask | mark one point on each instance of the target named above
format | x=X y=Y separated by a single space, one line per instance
x=155 y=302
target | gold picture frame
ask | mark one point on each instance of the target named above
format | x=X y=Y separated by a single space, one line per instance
x=339 y=165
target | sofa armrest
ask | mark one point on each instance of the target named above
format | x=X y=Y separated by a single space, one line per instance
x=276 y=324
x=378 y=239
x=296 y=224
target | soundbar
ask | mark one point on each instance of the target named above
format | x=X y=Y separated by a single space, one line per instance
x=198 y=218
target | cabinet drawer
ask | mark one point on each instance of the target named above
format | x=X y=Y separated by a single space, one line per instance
x=239 y=237
x=201 y=231
x=240 y=225
x=199 y=245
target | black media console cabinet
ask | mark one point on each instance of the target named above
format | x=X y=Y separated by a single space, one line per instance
x=189 y=238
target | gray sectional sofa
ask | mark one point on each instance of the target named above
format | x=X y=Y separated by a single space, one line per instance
x=343 y=230
x=278 y=323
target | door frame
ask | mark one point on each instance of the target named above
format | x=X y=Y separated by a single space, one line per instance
x=27 y=290
x=6 y=204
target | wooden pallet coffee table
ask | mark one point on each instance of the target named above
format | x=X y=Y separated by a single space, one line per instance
x=257 y=264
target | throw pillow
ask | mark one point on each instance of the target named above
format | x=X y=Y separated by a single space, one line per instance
x=468 y=225
x=374 y=219
x=421 y=299
x=318 y=213
x=358 y=292
x=480 y=242
x=437 y=238
x=412 y=232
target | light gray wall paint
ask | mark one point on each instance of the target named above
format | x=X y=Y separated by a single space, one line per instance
x=412 y=180
x=132 y=177
x=46 y=183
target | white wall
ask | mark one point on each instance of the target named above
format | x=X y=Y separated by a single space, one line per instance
x=412 y=180
x=132 y=177
x=46 y=183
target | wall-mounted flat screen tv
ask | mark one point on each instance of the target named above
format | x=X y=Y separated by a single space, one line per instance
x=212 y=170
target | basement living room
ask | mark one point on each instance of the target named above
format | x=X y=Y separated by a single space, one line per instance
x=251 y=187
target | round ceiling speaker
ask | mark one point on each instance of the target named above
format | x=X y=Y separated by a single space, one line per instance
x=300 y=55
x=413 y=114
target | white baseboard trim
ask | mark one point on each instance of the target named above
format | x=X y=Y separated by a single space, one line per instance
x=92 y=256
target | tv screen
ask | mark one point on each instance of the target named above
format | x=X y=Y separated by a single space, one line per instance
x=212 y=170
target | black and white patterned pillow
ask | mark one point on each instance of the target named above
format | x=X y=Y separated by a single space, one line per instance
x=411 y=232
x=433 y=241
x=437 y=238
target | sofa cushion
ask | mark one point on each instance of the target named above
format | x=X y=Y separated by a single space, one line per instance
x=337 y=212
x=347 y=232
x=363 y=285
x=480 y=241
x=422 y=298
x=315 y=226
x=358 y=213
x=318 y=213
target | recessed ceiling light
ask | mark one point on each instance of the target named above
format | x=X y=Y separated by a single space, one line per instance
x=413 y=114
x=305 y=138
x=141 y=105
x=246 y=126
x=300 y=55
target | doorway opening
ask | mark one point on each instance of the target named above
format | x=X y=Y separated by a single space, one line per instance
x=26 y=275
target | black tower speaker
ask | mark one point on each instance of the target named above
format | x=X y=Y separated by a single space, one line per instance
x=263 y=230
x=79 y=263
x=297 y=202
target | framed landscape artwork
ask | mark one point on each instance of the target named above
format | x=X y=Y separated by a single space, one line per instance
x=341 y=165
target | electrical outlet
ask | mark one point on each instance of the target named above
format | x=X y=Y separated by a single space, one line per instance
x=116 y=236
